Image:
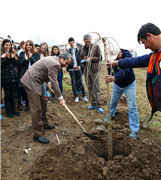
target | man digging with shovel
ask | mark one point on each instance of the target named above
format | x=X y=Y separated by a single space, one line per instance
x=150 y=36
x=46 y=69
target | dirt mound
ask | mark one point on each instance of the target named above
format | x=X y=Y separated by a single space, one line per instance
x=85 y=159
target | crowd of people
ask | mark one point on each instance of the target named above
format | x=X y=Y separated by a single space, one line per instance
x=29 y=70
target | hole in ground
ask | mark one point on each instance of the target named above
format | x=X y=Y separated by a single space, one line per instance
x=120 y=147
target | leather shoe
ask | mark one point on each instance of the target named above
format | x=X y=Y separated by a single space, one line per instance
x=16 y=113
x=42 y=140
x=49 y=127
x=9 y=114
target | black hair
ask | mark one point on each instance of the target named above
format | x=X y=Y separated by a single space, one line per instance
x=52 y=53
x=1 y=37
x=70 y=39
x=37 y=45
x=2 y=46
x=147 y=28
x=18 y=47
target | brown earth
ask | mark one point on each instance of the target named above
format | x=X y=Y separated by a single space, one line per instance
x=78 y=157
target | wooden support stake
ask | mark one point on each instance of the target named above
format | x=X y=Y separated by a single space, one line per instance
x=109 y=124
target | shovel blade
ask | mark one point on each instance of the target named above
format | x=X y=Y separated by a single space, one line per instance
x=94 y=137
x=148 y=120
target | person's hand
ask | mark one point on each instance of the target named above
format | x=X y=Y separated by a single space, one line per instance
x=113 y=63
x=62 y=102
x=26 y=56
x=13 y=55
x=8 y=55
x=76 y=67
x=30 y=55
x=89 y=59
x=109 y=78
x=85 y=57
x=3 y=55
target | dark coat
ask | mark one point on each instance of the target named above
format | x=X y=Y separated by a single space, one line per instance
x=95 y=59
x=8 y=72
x=77 y=54
x=124 y=77
x=23 y=64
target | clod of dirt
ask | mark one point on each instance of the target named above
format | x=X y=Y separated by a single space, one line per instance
x=99 y=128
x=98 y=122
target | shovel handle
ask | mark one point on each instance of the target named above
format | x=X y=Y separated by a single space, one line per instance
x=74 y=118
x=70 y=113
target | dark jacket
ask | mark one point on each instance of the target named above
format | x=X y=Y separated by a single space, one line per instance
x=77 y=54
x=8 y=72
x=23 y=64
x=146 y=61
x=124 y=77
x=96 y=57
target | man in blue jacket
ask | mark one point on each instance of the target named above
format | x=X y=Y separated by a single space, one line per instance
x=124 y=82
x=150 y=36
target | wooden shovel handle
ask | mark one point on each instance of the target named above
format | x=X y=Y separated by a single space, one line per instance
x=70 y=113
x=74 y=117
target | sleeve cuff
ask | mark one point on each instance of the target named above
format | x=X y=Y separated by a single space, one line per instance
x=61 y=97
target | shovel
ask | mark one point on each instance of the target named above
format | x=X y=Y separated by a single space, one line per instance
x=87 y=134
x=148 y=120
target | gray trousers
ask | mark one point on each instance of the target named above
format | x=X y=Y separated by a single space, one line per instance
x=93 y=85
x=38 y=109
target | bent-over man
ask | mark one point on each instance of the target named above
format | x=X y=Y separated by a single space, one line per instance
x=46 y=69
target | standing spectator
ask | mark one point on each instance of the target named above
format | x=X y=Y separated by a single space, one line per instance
x=56 y=52
x=26 y=60
x=1 y=40
x=9 y=37
x=124 y=82
x=22 y=47
x=37 y=48
x=92 y=68
x=47 y=49
x=74 y=70
x=18 y=89
x=8 y=77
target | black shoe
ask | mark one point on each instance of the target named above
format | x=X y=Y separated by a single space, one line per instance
x=20 y=107
x=49 y=126
x=42 y=140
x=16 y=113
x=53 y=99
x=9 y=114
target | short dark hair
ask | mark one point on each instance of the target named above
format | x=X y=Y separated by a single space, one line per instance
x=70 y=39
x=37 y=45
x=148 y=28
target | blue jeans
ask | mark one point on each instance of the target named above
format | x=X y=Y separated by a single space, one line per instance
x=60 y=80
x=131 y=101
x=73 y=75
x=44 y=88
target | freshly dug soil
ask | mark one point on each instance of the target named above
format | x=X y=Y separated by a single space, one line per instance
x=86 y=159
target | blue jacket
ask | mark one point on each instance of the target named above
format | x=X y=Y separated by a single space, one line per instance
x=143 y=61
x=124 y=77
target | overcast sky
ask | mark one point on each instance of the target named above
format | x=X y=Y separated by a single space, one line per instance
x=61 y=19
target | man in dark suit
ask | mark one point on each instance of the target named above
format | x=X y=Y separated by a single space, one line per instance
x=46 y=69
